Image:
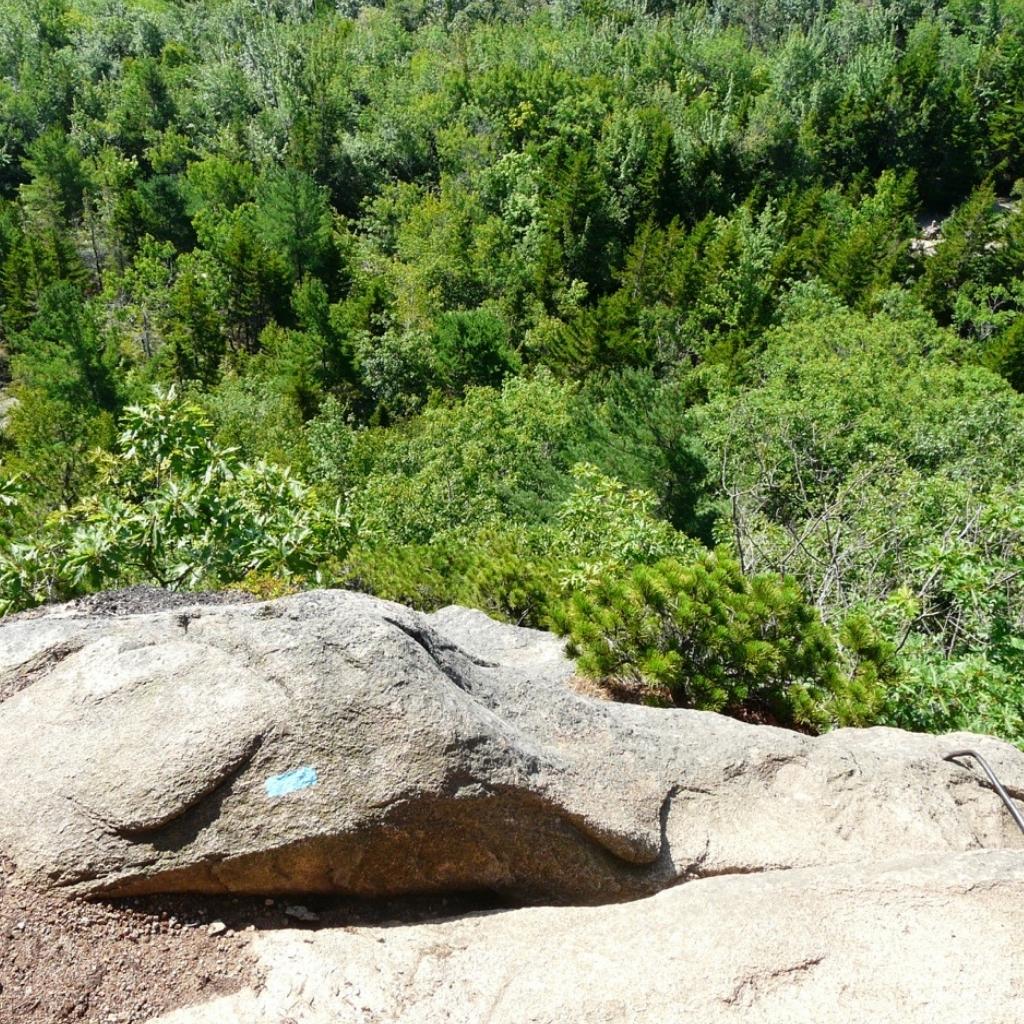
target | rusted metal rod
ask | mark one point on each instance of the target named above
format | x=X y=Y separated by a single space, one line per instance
x=996 y=784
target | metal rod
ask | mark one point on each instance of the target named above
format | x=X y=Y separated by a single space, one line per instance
x=996 y=784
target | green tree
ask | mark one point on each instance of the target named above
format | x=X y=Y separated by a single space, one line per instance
x=293 y=218
x=472 y=348
x=64 y=352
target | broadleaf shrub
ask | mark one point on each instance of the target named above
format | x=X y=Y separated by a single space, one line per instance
x=175 y=509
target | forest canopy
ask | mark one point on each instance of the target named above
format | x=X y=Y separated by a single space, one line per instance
x=693 y=331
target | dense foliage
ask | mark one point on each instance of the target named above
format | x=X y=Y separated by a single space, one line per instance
x=694 y=330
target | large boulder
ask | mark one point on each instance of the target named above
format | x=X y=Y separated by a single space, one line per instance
x=927 y=940
x=335 y=742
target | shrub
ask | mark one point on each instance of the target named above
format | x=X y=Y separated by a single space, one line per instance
x=174 y=509
x=472 y=348
x=700 y=634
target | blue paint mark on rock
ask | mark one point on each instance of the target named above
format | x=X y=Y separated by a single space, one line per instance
x=289 y=782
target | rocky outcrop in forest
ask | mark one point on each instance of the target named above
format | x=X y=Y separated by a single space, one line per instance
x=334 y=743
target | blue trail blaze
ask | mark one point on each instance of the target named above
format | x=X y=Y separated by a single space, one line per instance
x=289 y=782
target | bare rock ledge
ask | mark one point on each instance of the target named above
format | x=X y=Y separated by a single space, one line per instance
x=932 y=939
x=333 y=742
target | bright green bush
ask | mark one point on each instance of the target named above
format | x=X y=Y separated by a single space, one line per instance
x=508 y=573
x=520 y=571
x=973 y=692
x=701 y=634
x=498 y=456
x=174 y=509
x=604 y=526
x=882 y=476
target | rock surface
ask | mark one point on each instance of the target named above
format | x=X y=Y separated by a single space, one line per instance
x=8 y=403
x=936 y=939
x=335 y=742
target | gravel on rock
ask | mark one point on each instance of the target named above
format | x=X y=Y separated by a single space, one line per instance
x=64 y=959
x=128 y=961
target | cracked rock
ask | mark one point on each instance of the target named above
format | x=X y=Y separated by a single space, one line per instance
x=920 y=940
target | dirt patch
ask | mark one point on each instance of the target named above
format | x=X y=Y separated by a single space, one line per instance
x=126 y=961
x=145 y=599
x=68 y=960
x=621 y=691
